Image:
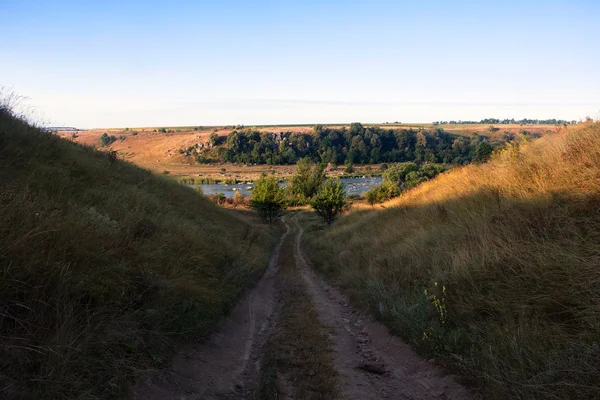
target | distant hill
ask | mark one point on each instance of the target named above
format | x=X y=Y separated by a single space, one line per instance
x=158 y=151
x=63 y=129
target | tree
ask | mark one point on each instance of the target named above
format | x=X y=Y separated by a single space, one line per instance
x=483 y=152
x=330 y=200
x=307 y=181
x=397 y=173
x=371 y=196
x=213 y=139
x=268 y=199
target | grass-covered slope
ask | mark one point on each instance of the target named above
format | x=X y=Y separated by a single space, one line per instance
x=105 y=267
x=494 y=268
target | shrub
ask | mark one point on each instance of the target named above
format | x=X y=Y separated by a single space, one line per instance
x=219 y=198
x=268 y=199
x=307 y=181
x=383 y=192
x=239 y=199
x=330 y=200
x=106 y=140
x=483 y=152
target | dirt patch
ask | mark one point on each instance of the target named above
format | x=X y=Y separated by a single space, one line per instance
x=372 y=364
x=228 y=365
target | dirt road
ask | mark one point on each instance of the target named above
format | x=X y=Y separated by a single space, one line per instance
x=371 y=363
x=368 y=362
x=228 y=365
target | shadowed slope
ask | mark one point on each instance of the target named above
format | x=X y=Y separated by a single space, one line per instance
x=105 y=267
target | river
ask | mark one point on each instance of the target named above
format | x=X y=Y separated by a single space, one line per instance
x=354 y=186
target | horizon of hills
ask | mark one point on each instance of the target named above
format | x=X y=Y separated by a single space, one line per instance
x=497 y=121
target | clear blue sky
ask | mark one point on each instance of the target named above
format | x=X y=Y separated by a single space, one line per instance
x=146 y=63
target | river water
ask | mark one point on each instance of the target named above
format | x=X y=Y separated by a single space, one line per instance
x=353 y=186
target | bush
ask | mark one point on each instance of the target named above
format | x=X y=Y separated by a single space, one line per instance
x=219 y=198
x=382 y=192
x=483 y=152
x=349 y=169
x=307 y=181
x=330 y=201
x=239 y=199
x=106 y=140
x=268 y=199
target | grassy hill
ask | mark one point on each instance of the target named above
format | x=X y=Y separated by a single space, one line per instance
x=494 y=268
x=105 y=267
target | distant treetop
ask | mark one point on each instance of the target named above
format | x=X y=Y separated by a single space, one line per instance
x=524 y=121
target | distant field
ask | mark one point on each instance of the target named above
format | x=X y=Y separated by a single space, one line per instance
x=158 y=152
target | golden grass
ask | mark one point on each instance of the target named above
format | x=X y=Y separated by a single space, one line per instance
x=104 y=267
x=516 y=244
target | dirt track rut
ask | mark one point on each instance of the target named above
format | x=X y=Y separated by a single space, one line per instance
x=228 y=365
x=370 y=363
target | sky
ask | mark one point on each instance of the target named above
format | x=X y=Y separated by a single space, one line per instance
x=106 y=63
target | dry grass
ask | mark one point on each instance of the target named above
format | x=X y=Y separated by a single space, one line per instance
x=298 y=362
x=105 y=267
x=515 y=242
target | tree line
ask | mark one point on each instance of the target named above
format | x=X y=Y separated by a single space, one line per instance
x=355 y=144
x=506 y=121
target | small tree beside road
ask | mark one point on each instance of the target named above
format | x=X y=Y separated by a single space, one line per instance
x=330 y=200
x=268 y=199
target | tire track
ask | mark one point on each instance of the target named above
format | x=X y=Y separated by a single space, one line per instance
x=227 y=366
x=372 y=364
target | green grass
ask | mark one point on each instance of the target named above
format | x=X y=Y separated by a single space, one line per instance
x=105 y=267
x=515 y=242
